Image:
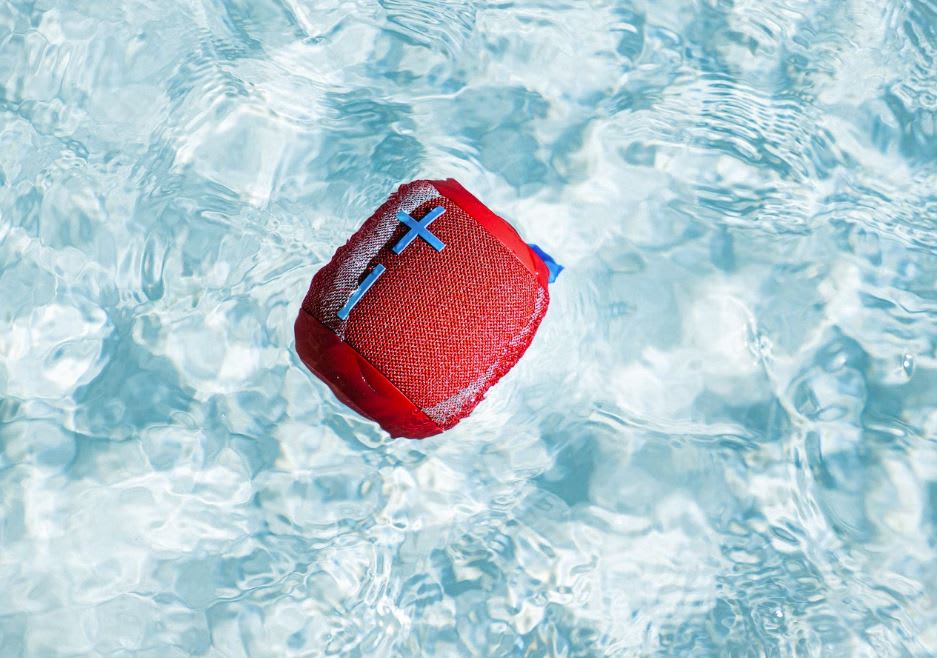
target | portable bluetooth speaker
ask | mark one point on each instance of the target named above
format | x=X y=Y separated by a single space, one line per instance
x=428 y=304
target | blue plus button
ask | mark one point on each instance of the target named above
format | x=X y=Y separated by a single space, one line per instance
x=419 y=227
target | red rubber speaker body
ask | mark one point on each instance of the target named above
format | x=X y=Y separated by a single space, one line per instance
x=425 y=307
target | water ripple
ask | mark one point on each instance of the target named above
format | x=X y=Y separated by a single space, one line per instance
x=722 y=442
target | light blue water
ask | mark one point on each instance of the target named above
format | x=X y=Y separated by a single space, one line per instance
x=722 y=442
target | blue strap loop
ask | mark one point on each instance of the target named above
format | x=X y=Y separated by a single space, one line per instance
x=553 y=267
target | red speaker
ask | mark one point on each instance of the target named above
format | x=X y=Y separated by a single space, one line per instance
x=426 y=307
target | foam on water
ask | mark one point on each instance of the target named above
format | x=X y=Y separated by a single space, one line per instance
x=722 y=442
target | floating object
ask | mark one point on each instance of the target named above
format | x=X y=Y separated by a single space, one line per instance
x=426 y=307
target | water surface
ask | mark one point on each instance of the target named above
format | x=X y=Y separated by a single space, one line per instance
x=722 y=442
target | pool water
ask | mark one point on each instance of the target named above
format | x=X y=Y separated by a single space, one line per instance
x=723 y=440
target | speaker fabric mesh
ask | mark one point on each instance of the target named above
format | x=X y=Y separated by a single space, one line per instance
x=441 y=326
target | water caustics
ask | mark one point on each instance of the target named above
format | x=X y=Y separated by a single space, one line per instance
x=723 y=441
